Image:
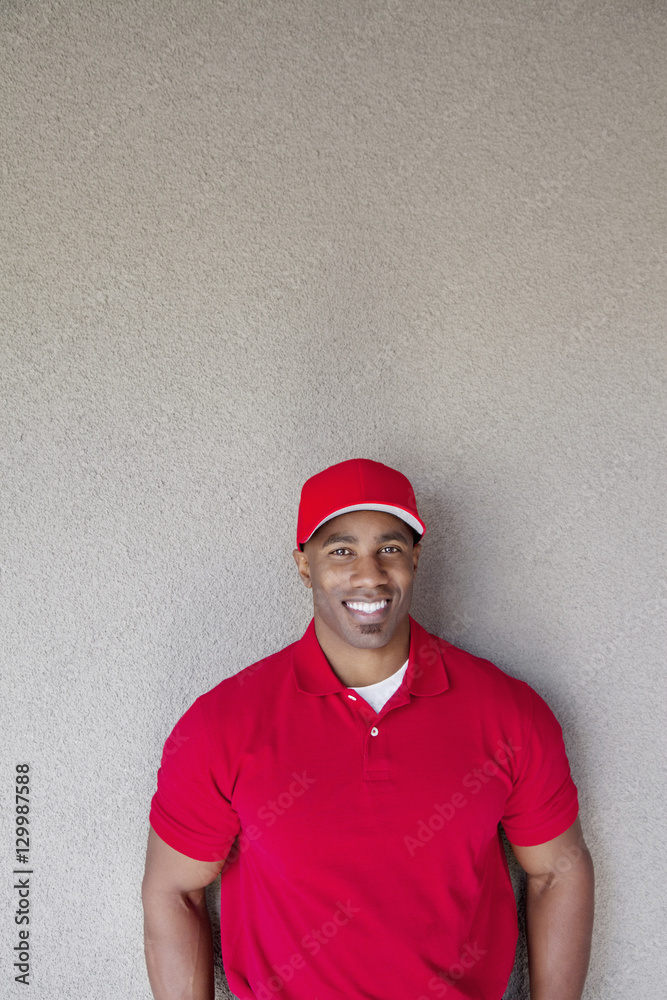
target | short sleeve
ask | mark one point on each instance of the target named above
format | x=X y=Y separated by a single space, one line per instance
x=543 y=802
x=189 y=811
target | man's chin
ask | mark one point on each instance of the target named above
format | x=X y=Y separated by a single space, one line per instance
x=372 y=635
x=361 y=635
x=370 y=629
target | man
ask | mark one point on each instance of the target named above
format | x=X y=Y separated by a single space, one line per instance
x=350 y=788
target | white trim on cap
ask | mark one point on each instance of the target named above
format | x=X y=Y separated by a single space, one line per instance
x=397 y=511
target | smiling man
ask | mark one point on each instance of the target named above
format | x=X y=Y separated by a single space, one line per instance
x=351 y=789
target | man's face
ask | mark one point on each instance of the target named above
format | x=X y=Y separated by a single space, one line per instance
x=360 y=567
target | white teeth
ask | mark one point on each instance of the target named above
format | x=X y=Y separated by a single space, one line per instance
x=363 y=606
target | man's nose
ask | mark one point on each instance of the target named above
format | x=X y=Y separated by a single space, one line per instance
x=368 y=571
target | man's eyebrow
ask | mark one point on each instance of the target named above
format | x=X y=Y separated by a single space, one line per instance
x=339 y=538
x=391 y=536
x=388 y=536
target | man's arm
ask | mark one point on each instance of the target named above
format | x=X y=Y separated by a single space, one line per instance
x=177 y=929
x=559 y=914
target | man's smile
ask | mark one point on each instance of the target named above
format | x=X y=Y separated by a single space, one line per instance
x=368 y=611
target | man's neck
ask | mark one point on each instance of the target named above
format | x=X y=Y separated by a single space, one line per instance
x=357 y=667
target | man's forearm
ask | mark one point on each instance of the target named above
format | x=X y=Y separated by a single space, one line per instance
x=559 y=919
x=179 y=946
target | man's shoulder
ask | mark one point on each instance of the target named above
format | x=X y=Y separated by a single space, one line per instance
x=256 y=679
x=479 y=676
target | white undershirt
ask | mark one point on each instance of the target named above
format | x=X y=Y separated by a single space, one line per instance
x=379 y=694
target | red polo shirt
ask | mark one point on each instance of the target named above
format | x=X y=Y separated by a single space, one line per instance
x=369 y=863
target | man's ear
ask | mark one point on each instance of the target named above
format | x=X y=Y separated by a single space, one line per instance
x=416 y=552
x=301 y=560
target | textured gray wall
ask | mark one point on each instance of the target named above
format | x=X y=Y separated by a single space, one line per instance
x=245 y=240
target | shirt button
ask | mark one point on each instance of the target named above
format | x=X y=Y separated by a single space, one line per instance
x=352 y=697
x=374 y=731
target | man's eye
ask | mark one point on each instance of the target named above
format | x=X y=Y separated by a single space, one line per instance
x=337 y=552
x=391 y=548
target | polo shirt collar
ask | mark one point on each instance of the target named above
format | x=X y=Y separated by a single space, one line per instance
x=426 y=674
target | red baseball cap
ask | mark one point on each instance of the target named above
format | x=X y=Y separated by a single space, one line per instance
x=358 y=484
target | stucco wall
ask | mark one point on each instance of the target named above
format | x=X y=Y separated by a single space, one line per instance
x=243 y=241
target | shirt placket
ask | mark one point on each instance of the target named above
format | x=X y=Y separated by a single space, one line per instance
x=376 y=761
